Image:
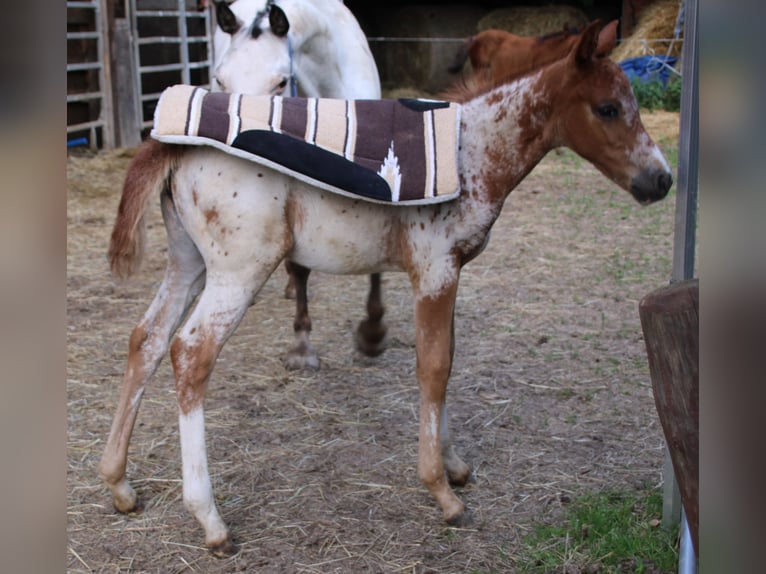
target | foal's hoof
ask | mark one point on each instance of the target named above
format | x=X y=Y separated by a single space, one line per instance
x=224 y=550
x=137 y=507
x=461 y=520
x=370 y=338
x=461 y=479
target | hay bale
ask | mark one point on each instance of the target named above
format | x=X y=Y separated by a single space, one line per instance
x=423 y=63
x=653 y=33
x=533 y=20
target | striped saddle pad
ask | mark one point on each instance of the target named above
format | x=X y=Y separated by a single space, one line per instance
x=392 y=151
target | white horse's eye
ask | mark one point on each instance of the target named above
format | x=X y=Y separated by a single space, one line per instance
x=283 y=84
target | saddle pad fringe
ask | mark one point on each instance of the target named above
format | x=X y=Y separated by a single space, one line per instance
x=392 y=151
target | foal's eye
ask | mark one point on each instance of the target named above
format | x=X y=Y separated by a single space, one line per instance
x=607 y=111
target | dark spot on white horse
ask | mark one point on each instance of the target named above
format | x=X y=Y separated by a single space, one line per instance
x=194 y=196
x=225 y=253
x=275 y=198
x=422 y=226
x=260 y=175
x=193 y=330
x=234 y=194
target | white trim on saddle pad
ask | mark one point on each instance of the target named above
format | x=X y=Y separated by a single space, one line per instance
x=386 y=151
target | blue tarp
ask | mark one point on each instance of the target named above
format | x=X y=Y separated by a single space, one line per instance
x=649 y=68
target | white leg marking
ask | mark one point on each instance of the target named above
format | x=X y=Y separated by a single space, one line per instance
x=197 y=489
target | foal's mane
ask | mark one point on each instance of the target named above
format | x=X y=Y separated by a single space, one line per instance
x=468 y=88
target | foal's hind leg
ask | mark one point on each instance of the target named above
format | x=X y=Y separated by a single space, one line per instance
x=302 y=354
x=371 y=333
x=194 y=351
x=183 y=280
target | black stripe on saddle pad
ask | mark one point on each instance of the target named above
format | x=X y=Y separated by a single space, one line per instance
x=314 y=162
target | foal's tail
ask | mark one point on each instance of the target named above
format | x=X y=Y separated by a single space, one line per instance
x=147 y=175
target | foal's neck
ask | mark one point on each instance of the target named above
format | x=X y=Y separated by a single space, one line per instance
x=504 y=134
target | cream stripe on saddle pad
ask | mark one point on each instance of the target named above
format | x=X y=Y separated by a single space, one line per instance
x=393 y=151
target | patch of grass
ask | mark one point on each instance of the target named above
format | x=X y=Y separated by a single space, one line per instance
x=654 y=95
x=608 y=533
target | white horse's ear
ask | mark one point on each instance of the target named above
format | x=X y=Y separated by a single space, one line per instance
x=226 y=19
x=278 y=21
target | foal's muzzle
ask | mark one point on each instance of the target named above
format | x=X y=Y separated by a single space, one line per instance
x=651 y=186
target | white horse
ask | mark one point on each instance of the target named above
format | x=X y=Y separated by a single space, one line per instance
x=311 y=48
x=259 y=45
x=230 y=224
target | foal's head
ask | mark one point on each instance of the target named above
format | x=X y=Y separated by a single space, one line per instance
x=597 y=117
x=258 y=59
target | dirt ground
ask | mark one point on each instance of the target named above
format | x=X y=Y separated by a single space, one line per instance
x=315 y=472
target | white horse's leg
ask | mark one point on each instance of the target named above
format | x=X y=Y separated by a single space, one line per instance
x=149 y=342
x=194 y=351
x=371 y=333
x=433 y=324
x=302 y=354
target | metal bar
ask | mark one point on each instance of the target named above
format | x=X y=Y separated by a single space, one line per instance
x=685 y=231
x=89 y=5
x=183 y=47
x=84 y=97
x=105 y=80
x=180 y=66
x=83 y=66
x=169 y=13
x=688 y=152
x=84 y=126
x=687 y=558
x=82 y=35
x=171 y=40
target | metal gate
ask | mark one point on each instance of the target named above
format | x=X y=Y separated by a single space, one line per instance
x=172 y=43
x=89 y=96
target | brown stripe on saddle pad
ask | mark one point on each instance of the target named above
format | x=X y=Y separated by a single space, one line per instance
x=294 y=115
x=214 y=116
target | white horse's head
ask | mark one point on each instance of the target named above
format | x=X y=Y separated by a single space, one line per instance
x=253 y=53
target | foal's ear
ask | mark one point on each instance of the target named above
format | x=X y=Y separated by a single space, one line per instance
x=607 y=39
x=278 y=21
x=586 y=46
x=226 y=18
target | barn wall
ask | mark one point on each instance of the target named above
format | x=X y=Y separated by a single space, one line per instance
x=414 y=42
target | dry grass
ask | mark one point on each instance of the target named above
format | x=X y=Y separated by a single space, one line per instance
x=656 y=22
x=550 y=395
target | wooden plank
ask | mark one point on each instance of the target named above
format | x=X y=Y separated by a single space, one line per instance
x=127 y=104
x=670 y=322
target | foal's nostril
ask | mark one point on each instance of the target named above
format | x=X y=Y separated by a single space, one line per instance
x=664 y=182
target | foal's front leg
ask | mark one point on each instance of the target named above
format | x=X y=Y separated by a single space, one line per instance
x=438 y=464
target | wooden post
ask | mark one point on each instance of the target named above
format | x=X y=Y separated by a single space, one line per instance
x=128 y=109
x=125 y=103
x=670 y=322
